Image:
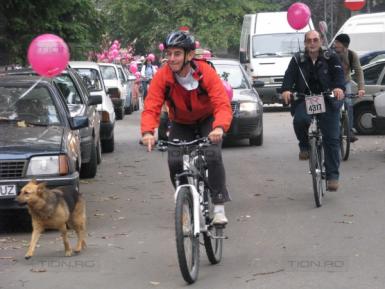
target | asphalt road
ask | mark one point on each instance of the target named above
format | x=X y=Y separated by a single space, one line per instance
x=277 y=238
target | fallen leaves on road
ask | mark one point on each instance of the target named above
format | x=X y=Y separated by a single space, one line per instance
x=38 y=270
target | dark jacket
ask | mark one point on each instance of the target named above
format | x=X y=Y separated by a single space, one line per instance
x=325 y=75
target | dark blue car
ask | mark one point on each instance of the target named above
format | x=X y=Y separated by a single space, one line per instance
x=39 y=139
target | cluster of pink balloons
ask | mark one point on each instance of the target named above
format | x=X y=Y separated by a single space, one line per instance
x=48 y=55
x=115 y=53
x=298 y=15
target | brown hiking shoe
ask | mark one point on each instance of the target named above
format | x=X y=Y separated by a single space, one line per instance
x=332 y=185
x=303 y=155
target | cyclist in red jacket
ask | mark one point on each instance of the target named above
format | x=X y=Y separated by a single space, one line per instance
x=198 y=104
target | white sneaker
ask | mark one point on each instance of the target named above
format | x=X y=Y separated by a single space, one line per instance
x=219 y=219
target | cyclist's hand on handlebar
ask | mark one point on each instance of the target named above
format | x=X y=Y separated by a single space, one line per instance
x=286 y=96
x=216 y=135
x=148 y=140
x=338 y=93
x=361 y=92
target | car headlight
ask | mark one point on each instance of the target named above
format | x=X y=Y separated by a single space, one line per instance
x=48 y=165
x=248 y=106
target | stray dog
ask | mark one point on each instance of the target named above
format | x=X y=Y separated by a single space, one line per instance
x=54 y=209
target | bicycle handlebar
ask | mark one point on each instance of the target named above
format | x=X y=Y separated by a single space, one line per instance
x=297 y=95
x=162 y=144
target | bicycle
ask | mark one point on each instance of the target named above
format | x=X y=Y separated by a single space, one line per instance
x=194 y=210
x=315 y=105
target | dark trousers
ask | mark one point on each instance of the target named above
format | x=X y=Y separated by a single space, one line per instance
x=329 y=124
x=213 y=156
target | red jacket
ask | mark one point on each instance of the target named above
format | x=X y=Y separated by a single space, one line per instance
x=187 y=107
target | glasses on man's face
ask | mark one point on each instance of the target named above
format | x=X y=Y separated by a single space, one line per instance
x=312 y=40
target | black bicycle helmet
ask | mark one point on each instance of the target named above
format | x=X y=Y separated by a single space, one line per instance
x=180 y=39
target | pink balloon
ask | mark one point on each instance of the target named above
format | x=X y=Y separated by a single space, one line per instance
x=48 y=55
x=298 y=15
x=161 y=46
x=151 y=57
x=133 y=67
x=228 y=88
x=115 y=52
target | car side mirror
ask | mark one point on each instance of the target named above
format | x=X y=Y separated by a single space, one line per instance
x=95 y=99
x=258 y=83
x=78 y=122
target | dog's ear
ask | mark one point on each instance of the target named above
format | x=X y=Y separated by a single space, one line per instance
x=41 y=188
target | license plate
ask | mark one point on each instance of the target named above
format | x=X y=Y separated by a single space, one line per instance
x=7 y=190
x=315 y=104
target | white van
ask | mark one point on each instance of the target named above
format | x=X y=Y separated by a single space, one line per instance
x=366 y=32
x=267 y=45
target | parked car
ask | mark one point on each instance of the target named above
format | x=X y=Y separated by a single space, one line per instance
x=379 y=118
x=90 y=71
x=116 y=85
x=246 y=104
x=371 y=57
x=39 y=140
x=80 y=102
x=132 y=104
x=374 y=74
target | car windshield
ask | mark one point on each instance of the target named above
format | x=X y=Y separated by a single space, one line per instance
x=233 y=74
x=35 y=107
x=280 y=44
x=68 y=89
x=90 y=78
x=108 y=72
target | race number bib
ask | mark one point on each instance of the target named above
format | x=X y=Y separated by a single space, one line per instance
x=315 y=104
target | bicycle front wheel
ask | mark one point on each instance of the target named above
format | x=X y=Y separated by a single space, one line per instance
x=213 y=238
x=316 y=170
x=187 y=244
x=344 y=137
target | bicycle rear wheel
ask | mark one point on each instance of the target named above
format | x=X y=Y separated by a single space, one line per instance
x=187 y=244
x=344 y=136
x=213 y=238
x=316 y=169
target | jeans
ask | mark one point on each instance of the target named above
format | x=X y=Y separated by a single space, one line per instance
x=349 y=108
x=329 y=125
x=349 y=103
x=213 y=156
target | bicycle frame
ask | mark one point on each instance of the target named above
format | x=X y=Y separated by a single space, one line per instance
x=192 y=173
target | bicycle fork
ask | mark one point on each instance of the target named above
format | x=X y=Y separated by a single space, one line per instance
x=196 y=205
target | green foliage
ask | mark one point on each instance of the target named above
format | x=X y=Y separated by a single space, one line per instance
x=216 y=24
x=76 y=21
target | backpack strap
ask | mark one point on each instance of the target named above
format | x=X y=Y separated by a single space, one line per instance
x=350 y=56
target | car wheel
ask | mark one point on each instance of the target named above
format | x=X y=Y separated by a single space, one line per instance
x=108 y=145
x=89 y=169
x=363 y=119
x=99 y=152
x=257 y=141
x=129 y=110
x=119 y=113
